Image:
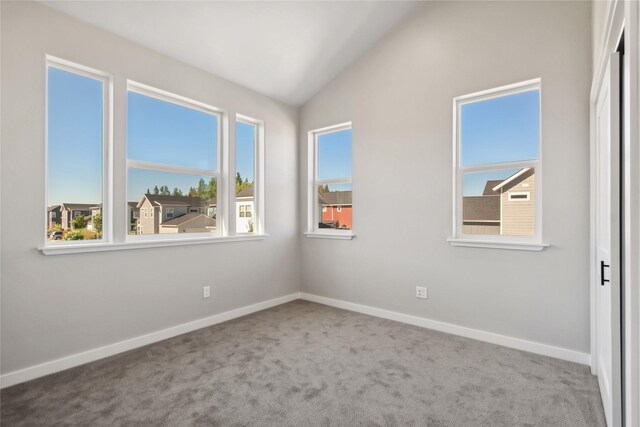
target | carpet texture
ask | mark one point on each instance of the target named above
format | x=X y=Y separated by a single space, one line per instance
x=305 y=364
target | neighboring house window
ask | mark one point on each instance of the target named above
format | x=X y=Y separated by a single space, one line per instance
x=77 y=137
x=53 y=215
x=339 y=208
x=497 y=156
x=173 y=154
x=249 y=173
x=144 y=211
x=151 y=212
x=330 y=179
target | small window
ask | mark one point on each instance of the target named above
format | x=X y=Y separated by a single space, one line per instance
x=339 y=209
x=77 y=138
x=173 y=146
x=144 y=211
x=249 y=147
x=497 y=148
x=330 y=152
x=519 y=196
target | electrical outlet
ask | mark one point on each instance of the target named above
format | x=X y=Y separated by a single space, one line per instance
x=421 y=292
x=206 y=292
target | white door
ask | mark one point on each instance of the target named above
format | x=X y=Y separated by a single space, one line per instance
x=608 y=242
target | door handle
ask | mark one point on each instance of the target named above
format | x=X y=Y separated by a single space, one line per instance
x=602 y=267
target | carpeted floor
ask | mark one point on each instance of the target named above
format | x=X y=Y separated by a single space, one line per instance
x=305 y=364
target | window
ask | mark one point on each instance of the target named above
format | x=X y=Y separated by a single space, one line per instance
x=173 y=156
x=497 y=153
x=249 y=167
x=77 y=147
x=330 y=182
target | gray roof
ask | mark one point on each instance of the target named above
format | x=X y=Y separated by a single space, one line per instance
x=188 y=217
x=481 y=208
x=335 y=198
x=54 y=207
x=156 y=199
x=246 y=191
x=78 y=206
x=488 y=188
x=133 y=205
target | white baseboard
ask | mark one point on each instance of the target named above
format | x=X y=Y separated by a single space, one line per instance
x=32 y=372
x=517 y=343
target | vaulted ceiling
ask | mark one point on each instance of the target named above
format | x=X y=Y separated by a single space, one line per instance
x=286 y=50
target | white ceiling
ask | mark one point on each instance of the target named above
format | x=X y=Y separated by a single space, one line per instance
x=286 y=50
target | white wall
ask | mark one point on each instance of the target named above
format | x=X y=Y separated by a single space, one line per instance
x=53 y=306
x=598 y=16
x=399 y=97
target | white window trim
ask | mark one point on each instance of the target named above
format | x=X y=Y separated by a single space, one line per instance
x=107 y=149
x=459 y=238
x=259 y=221
x=527 y=195
x=218 y=174
x=313 y=183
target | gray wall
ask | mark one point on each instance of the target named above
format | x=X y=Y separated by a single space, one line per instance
x=399 y=97
x=53 y=306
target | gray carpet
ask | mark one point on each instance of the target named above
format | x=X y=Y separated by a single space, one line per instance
x=305 y=364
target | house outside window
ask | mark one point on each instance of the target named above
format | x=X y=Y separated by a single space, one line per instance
x=497 y=167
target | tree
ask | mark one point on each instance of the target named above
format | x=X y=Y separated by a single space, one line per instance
x=148 y=191
x=212 y=190
x=193 y=192
x=155 y=190
x=323 y=189
x=177 y=191
x=79 y=222
x=202 y=188
x=97 y=222
x=164 y=190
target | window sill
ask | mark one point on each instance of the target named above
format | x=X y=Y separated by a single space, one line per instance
x=334 y=236
x=489 y=244
x=105 y=247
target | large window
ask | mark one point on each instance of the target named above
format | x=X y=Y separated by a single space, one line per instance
x=330 y=182
x=248 y=182
x=77 y=153
x=497 y=162
x=172 y=162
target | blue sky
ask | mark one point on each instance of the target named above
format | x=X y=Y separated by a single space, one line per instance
x=508 y=125
x=497 y=130
x=74 y=138
x=245 y=151
x=162 y=132
x=334 y=155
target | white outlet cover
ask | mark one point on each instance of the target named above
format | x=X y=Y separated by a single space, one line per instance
x=206 y=292
x=421 y=292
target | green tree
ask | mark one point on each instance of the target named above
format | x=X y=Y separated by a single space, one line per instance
x=148 y=191
x=212 y=190
x=156 y=191
x=97 y=222
x=177 y=191
x=202 y=188
x=193 y=192
x=79 y=222
x=164 y=190
x=323 y=189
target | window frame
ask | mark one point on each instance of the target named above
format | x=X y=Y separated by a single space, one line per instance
x=163 y=95
x=107 y=149
x=258 y=218
x=313 y=203
x=459 y=238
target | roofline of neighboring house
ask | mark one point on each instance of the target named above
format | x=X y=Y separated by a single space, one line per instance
x=511 y=178
x=337 y=204
x=184 y=222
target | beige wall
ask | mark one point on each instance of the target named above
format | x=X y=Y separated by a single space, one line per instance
x=399 y=98
x=518 y=217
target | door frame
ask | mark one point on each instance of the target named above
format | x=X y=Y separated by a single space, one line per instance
x=622 y=16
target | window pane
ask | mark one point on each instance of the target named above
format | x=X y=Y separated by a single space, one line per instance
x=499 y=202
x=173 y=202
x=503 y=129
x=334 y=155
x=75 y=143
x=163 y=132
x=335 y=207
x=245 y=169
